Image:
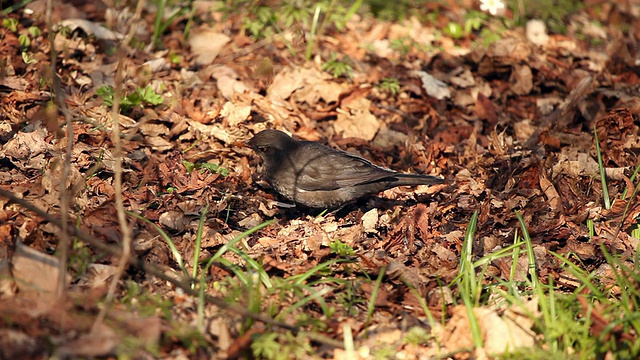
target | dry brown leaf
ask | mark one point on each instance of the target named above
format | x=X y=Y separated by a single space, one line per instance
x=370 y=220
x=536 y=32
x=356 y=120
x=235 y=113
x=15 y=344
x=92 y=28
x=486 y=110
x=552 y=195
x=570 y=161
x=159 y=143
x=523 y=130
x=213 y=131
x=509 y=51
x=27 y=150
x=521 y=80
x=327 y=91
x=433 y=87
x=174 y=220
x=499 y=333
x=35 y=271
x=98 y=275
x=287 y=81
x=227 y=82
x=100 y=342
x=206 y=44
x=154 y=129
x=8 y=287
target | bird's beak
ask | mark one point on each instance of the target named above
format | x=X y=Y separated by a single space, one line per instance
x=242 y=144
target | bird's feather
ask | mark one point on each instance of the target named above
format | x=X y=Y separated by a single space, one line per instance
x=313 y=174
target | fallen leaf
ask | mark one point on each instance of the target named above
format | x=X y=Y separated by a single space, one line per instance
x=235 y=113
x=370 y=220
x=432 y=86
x=356 y=120
x=206 y=44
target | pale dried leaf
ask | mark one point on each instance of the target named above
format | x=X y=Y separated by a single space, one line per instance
x=102 y=341
x=510 y=51
x=327 y=91
x=370 y=220
x=229 y=87
x=159 y=144
x=550 y=191
x=27 y=150
x=16 y=344
x=432 y=86
x=227 y=82
x=214 y=130
x=235 y=113
x=158 y=64
x=536 y=32
x=151 y=129
x=14 y=82
x=499 y=334
x=218 y=327
x=358 y=121
x=287 y=81
x=571 y=162
x=521 y=80
x=206 y=44
x=8 y=286
x=464 y=79
x=414 y=29
x=174 y=220
x=34 y=271
x=524 y=130
x=98 y=275
x=92 y=28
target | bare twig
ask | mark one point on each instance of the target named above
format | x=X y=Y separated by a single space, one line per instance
x=63 y=245
x=117 y=153
x=146 y=267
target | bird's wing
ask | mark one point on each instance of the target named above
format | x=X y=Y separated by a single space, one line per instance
x=332 y=169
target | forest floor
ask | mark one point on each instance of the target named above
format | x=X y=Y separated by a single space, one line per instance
x=528 y=250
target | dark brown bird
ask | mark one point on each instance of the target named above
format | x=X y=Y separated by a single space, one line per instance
x=318 y=176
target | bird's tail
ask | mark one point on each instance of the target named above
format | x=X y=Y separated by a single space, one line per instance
x=416 y=179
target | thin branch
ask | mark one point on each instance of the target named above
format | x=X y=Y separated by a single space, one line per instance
x=142 y=265
x=63 y=245
x=117 y=153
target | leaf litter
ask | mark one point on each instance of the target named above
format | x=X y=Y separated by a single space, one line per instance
x=510 y=126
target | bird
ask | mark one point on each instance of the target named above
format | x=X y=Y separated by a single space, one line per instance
x=318 y=176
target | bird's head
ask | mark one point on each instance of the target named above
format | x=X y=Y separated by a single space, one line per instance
x=271 y=144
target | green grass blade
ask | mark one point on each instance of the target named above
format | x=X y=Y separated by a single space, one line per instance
x=196 y=252
x=374 y=295
x=467 y=279
x=226 y=247
x=530 y=254
x=167 y=239
x=253 y=264
x=603 y=179
x=632 y=179
x=301 y=278
x=467 y=283
x=312 y=33
x=315 y=295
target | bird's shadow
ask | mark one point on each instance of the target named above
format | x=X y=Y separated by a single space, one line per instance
x=296 y=211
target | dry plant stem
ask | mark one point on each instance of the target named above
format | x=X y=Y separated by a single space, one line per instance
x=250 y=49
x=63 y=245
x=117 y=153
x=558 y=118
x=146 y=267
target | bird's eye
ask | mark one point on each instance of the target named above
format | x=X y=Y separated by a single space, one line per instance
x=262 y=148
